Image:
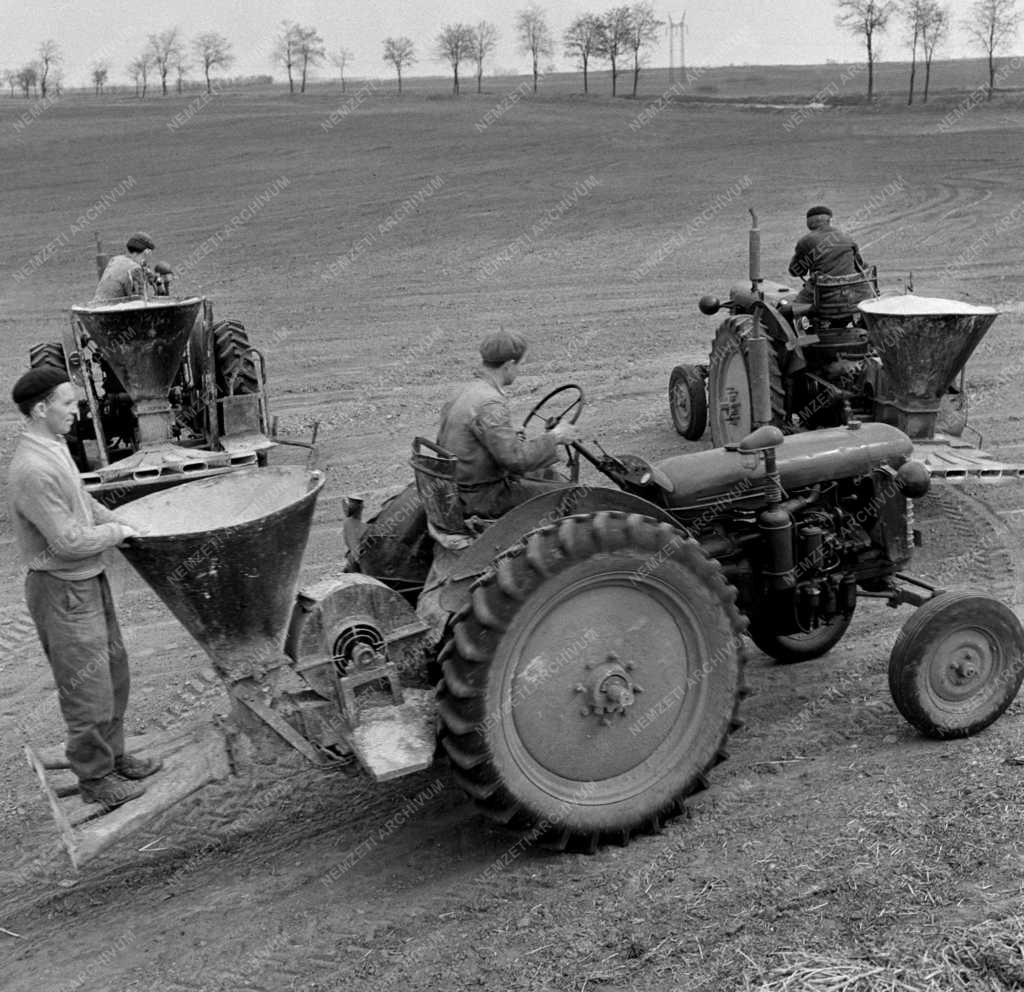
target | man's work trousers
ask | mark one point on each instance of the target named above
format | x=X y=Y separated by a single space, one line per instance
x=80 y=635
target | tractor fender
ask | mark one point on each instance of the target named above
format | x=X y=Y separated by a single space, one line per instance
x=537 y=512
x=785 y=337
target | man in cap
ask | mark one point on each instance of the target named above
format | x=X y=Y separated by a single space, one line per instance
x=823 y=250
x=494 y=456
x=124 y=278
x=160 y=279
x=61 y=533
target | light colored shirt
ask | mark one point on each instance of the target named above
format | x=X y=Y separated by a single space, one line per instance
x=58 y=527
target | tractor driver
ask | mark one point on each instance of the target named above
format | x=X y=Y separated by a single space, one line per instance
x=824 y=249
x=493 y=456
x=124 y=278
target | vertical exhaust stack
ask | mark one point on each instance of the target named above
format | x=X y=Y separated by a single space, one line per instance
x=923 y=344
x=144 y=343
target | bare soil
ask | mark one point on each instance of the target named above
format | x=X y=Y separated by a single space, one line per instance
x=836 y=846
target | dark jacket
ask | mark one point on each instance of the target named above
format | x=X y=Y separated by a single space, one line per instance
x=826 y=250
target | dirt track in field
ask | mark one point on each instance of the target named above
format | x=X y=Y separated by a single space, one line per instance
x=833 y=830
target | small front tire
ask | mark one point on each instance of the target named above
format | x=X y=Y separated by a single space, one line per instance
x=957 y=664
x=688 y=402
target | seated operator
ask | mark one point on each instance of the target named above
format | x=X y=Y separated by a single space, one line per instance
x=823 y=250
x=493 y=455
x=124 y=278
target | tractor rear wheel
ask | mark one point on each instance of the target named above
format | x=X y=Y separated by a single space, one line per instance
x=730 y=401
x=48 y=355
x=236 y=367
x=592 y=680
x=688 y=402
x=957 y=664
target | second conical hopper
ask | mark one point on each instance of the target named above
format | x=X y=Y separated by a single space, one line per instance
x=923 y=344
x=224 y=556
x=143 y=341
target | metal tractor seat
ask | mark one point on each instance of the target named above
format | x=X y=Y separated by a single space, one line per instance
x=434 y=470
x=836 y=297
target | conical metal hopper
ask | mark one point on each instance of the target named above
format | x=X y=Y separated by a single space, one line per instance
x=224 y=555
x=143 y=341
x=923 y=344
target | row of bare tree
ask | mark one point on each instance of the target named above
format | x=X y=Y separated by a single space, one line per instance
x=617 y=36
x=991 y=25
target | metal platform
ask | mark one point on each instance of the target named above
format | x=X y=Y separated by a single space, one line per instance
x=953 y=460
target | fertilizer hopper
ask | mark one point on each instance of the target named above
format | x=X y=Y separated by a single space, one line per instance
x=311 y=671
x=169 y=395
x=924 y=344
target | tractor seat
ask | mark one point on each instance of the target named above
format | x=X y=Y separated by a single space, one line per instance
x=434 y=470
x=836 y=297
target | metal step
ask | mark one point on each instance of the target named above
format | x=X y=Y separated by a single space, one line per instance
x=953 y=461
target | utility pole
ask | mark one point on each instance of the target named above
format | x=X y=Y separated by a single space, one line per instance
x=673 y=27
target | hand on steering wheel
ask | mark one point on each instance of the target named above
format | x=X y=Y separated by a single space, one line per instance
x=569 y=413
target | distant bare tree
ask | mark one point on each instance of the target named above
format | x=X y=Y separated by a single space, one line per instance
x=992 y=25
x=28 y=77
x=165 y=51
x=913 y=13
x=49 y=57
x=866 y=19
x=213 y=51
x=400 y=52
x=311 y=51
x=581 y=40
x=138 y=72
x=11 y=78
x=615 y=29
x=485 y=40
x=934 y=32
x=100 y=71
x=286 y=50
x=455 y=45
x=534 y=37
x=341 y=58
x=644 y=30
x=181 y=68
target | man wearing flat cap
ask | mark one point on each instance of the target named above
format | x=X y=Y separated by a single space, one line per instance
x=823 y=250
x=61 y=533
x=493 y=456
x=124 y=278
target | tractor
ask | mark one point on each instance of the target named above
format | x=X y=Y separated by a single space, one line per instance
x=849 y=355
x=169 y=393
x=581 y=658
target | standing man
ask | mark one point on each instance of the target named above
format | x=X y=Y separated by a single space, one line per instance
x=124 y=278
x=824 y=249
x=493 y=456
x=61 y=533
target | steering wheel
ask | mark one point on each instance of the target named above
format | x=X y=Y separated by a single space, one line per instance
x=570 y=412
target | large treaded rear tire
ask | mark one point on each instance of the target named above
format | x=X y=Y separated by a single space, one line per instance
x=236 y=368
x=730 y=403
x=546 y=630
x=49 y=354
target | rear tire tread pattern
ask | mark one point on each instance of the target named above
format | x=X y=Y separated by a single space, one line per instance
x=498 y=593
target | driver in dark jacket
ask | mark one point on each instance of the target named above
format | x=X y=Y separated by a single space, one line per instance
x=824 y=249
x=493 y=455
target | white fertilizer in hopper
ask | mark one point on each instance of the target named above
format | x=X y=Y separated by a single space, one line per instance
x=914 y=306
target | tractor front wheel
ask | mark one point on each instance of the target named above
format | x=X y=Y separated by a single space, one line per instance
x=957 y=664
x=688 y=402
x=592 y=680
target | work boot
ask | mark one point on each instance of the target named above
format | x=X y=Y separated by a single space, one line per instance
x=110 y=791
x=133 y=767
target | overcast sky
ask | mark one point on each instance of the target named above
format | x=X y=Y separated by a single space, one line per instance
x=718 y=32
